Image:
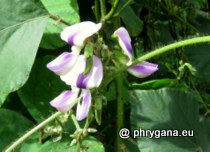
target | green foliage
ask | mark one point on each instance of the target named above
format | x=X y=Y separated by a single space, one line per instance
x=21 y=31
x=153 y=84
x=133 y=24
x=199 y=57
x=66 y=10
x=13 y=125
x=42 y=86
x=30 y=30
x=90 y=144
x=167 y=109
x=2 y=98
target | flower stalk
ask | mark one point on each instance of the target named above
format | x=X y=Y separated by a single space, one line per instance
x=75 y=122
x=103 y=8
x=32 y=131
x=112 y=11
x=202 y=39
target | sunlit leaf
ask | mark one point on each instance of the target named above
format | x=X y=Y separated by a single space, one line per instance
x=21 y=29
x=66 y=10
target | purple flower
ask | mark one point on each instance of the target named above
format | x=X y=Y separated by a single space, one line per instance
x=124 y=42
x=76 y=34
x=75 y=77
x=71 y=68
x=141 y=70
x=83 y=106
x=63 y=63
x=65 y=101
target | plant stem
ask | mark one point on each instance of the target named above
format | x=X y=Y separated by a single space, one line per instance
x=122 y=8
x=32 y=131
x=170 y=47
x=58 y=19
x=78 y=146
x=103 y=8
x=96 y=10
x=156 y=52
x=120 y=112
x=75 y=121
x=112 y=11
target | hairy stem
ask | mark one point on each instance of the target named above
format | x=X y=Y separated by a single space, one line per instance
x=120 y=113
x=32 y=131
x=157 y=52
x=170 y=47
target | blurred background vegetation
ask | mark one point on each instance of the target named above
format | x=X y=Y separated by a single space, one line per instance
x=151 y=24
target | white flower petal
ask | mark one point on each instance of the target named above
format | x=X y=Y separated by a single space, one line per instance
x=65 y=101
x=143 y=69
x=124 y=42
x=83 y=107
x=77 y=33
x=63 y=63
x=76 y=76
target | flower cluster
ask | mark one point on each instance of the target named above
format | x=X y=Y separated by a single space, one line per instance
x=71 y=67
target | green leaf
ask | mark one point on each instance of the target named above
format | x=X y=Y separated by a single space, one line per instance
x=110 y=93
x=3 y=98
x=131 y=145
x=132 y=22
x=91 y=144
x=199 y=57
x=153 y=84
x=42 y=86
x=166 y=109
x=13 y=125
x=64 y=9
x=21 y=28
x=205 y=134
x=202 y=23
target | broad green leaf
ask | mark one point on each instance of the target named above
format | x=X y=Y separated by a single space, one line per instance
x=64 y=9
x=13 y=125
x=166 y=109
x=42 y=86
x=21 y=28
x=90 y=144
x=199 y=57
x=131 y=145
x=205 y=135
x=132 y=22
x=2 y=98
x=201 y=22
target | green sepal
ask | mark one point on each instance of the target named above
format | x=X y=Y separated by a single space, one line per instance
x=88 y=50
x=89 y=58
x=89 y=65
